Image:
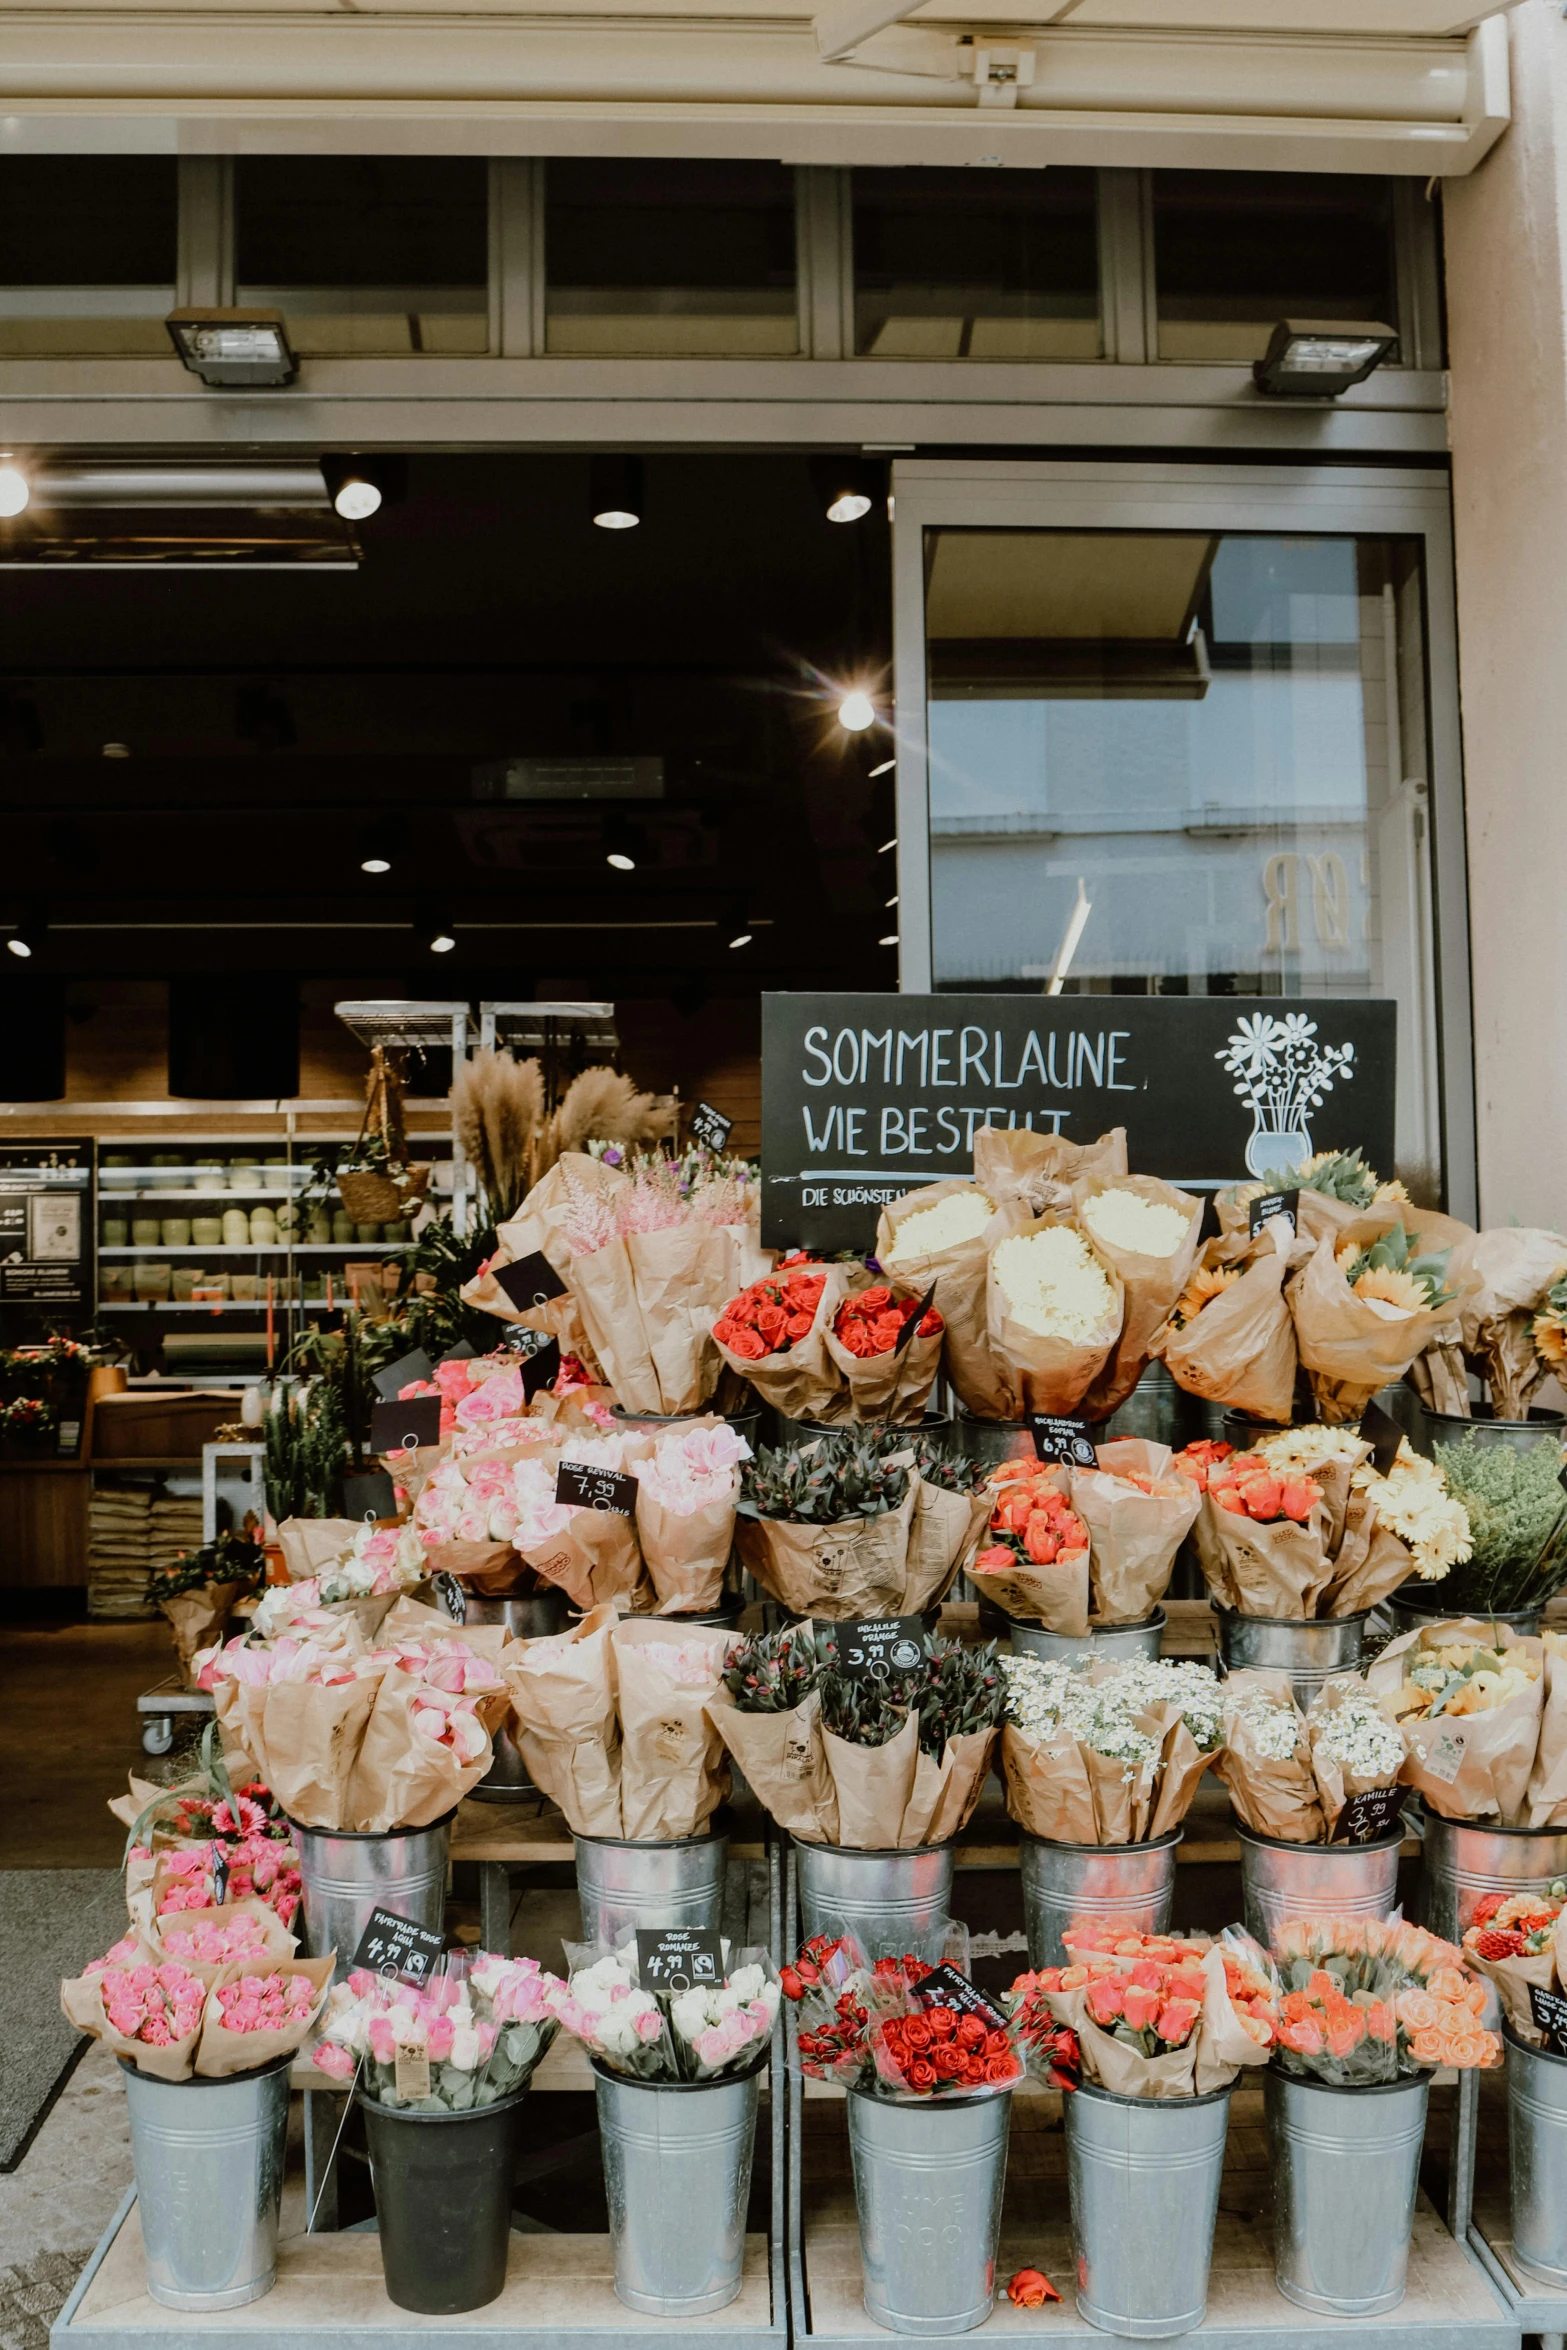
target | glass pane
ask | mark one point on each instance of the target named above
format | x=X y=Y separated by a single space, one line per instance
x=1234 y=252
x=367 y=253
x=680 y=258
x=1218 y=740
x=976 y=265
x=87 y=255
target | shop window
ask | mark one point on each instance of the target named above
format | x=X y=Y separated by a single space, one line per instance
x=1218 y=740
x=958 y=264
x=1234 y=252
x=677 y=259
x=367 y=254
x=88 y=247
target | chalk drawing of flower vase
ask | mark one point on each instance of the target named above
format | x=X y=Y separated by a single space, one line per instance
x=1281 y=1071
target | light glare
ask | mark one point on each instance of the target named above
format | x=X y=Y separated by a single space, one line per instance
x=856 y=711
x=14 y=489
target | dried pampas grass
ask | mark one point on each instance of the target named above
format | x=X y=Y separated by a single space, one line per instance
x=497 y=1111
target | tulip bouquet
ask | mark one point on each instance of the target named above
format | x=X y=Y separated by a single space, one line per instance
x=1364 y=2001
x=461 y=2041
x=857 y=1522
x=1155 y=2015
x=1110 y=1755
x=901 y=2028
x=709 y=2032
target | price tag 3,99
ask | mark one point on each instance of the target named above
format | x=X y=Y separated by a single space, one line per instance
x=1375 y=1812
x=872 y=1648
x=1549 y=2010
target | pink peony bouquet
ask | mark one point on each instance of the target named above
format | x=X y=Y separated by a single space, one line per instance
x=462 y=2040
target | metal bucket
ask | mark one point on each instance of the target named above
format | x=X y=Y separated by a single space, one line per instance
x=209 y=2181
x=937 y=1425
x=990 y=1441
x=677 y=2172
x=535 y=1617
x=622 y=1886
x=1523 y=1435
x=723 y=1618
x=1156 y=1409
x=1466 y=1859
x=1409 y=1615
x=1143 y=2179
x=1281 y=1882
x=928 y=2181
x=890 y=1901
x=345 y=1876
x=1310 y=1651
x=746 y=1422
x=1537 y=2157
x=1090 y=1884
x=1119 y=1642
x=1346 y=2167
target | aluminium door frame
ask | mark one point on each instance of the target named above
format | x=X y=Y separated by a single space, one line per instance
x=1144 y=495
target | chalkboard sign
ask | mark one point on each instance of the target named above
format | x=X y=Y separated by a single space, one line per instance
x=945 y=1987
x=710 y=1127
x=870 y=1648
x=1373 y=1813
x=403 y=1427
x=1274 y=1207
x=48 y=1231
x=1549 y=2010
x=541 y=1366
x=371 y=1496
x=408 y=1371
x=865 y=1097
x=579 y=1487
x=1384 y=1435
x=393 y=1945
x=679 y=1958
x=1058 y=1438
x=531 y=1281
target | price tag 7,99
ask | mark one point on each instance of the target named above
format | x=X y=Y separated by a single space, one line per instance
x=579 y=1487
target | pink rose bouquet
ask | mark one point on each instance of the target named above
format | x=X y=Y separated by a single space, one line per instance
x=462 y=2040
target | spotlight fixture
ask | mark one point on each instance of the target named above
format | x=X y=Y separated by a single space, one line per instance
x=438 y=935
x=116 y=750
x=619 y=845
x=375 y=850
x=360 y=486
x=240 y=350
x=1317 y=358
x=856 y=711
x=885 y=768
x=27 y=937
x=847 y=486
x=616 y=487
x=737 y=923
x=886 y=845
x=15 y=488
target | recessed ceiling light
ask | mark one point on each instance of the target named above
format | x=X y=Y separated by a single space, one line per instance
x=616 y=486
x=737 y=924
x=885 y=768
x=15 y=489
x=890 y=941
x=440 y=935
x=116 y=750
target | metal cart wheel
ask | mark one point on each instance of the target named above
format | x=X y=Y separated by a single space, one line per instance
x=157 y=1733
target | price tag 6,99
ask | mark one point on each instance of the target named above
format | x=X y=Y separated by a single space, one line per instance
x=679 y=1958
x=872 y=1648
x=1057 y=1438
x=578 y=1487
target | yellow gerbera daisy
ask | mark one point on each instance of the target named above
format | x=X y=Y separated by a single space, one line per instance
x=1550 y=1338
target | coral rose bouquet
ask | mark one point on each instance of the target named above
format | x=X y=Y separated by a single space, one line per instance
x=707 y=2032
x=774 y=1333
x=687 y=1489
x=1033 y=1559
x=1365 y=1306
x=1404 y=1524
x=460 y=2041
x=1364 y=2001
x=1156 y=2015
x=1110 y=1754
x=888 y=1367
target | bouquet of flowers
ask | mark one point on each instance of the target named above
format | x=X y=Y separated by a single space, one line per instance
x=212 y=1938
x=1138 y=1509
x=1291 y=1775
x=856 y=1522
x=888 y=1369
x=593 y=1555
x=1364 y=1308
x=1034 y=1562
x=1515 y=1270
x=709 y=2032
x=1110 y=1755
x=1336 y=1188
x=206 y=1841
x=1229 y=1336
x=1364 y=2001
x=1054 y=1311
x=1148 y=1232
x=1513 y=1944
x=774 y=1334
x=336 y=1562
x=900 y=2028
x=687 y=1488
x=461 y=2041
x=1156 y=2015
x=880 y=1765
x=173 y=2020
x=611 y=1721
x=1414 y=1503
x=1470 y=1697
x=1294 y=1528
x=944 y=1234
x=197 y=1593
x=1512 y=1502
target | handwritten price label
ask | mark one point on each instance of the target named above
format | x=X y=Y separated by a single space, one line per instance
x=394 y=1945
x=678 y=1958
x=581 y=1488
x=1057 y=1438
x=1373 y=1813
x=1274 y=1207
x=872 y=1648
x=945 y=1987
x=710 y=1127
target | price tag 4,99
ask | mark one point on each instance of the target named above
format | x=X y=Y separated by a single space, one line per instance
x=394 y=1945
x=679 y=1958
x=709 y=1126
x=945 y=1987
x=872 y=1648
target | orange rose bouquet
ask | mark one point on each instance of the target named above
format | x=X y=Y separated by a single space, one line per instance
x=1033 y=1559
x=1364 y=2001
x=775 y=1334
x=1156 y=2015
x=888 y=1369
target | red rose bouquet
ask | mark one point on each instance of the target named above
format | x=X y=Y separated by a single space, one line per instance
x=888 y=1369
x=1513 y=1944
x=1034 y=1559
x=901 y=2028
x=775 y=1334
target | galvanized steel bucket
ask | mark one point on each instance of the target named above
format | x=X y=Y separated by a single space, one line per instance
x=1090 y=1884
x=1408 y=1615
x=1118 y=1642
x=1537 y=2157
x=625 y=1885
x=209 y=2180
x=990 y=1441
x=1143 y=2179
x=1310 y=1651
x=1346 y=2168
x=1464 y=1860
x=534 y=1617
x=344 y=1876
x=928 y=2182
x=889 y=1901
x=1281 y=1882
x=677 y=2171
x=1522 y=1435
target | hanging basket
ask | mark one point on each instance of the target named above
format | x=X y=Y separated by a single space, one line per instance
x=371 y=1198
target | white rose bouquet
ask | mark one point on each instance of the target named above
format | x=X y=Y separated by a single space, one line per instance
x=706 y=2033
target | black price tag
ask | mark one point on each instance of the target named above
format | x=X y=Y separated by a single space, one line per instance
x=540 y=1366
x=914 y=1320
x=371 y=1496
x=389 y=1384
x=1549 y=2010
x=220 y=1876
x=710 y=1126
x=1365 y=1817
x=1274 y=1207
x=870 y=1648
x=580 y=1488
x=1384 y=1435
x=403 y=1427
x=679 y=1958
x=391 y=1945
x=1057 y=1438
x=945 y=1987
x=531 y=1281
x=462 y=1352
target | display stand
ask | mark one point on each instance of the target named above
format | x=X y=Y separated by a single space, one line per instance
x=415 y=1027
x=1536 y=2307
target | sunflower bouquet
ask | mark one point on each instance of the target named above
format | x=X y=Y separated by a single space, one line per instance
x=1365 y=1306
x=1229 y=1337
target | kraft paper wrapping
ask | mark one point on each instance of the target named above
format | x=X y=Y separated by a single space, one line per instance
x=1279 y=1570
x=1353 y=1345
x=304 y=1740
x=1513 y=1267
x=81 y=2003
x=1133 y=1536
x=278 y=1942
x=1151 y=1284
x=805 y=1383
x=686 y=1556
x=1513 y=1976
x=198 y=1618
x=1048 y=1788
x=957 y=1783
x=565 y=1722
x=1055 y=1596
x=1015 y=1163
x=1240 y=1350
x=784 y=1759
x=605 y=1289
x=1335 y=1785
x=1273 y=1796
x=984 y=1384
x=1052 y=1374
x=895 y=1386
x=1180 y=1768
x=874 y=1786
x=681 y=1278
x=1223 y=2044
x=1548 y=1779
x=945 y=1528
x=221 y=2053
x=128 y=1808
x=1468 y=1766
x=1372 y=1562
x=402 y=1777
x=595 y=1558
x=674 y=1772
x=853 y=1568
x=311 y=1546
x=1317 y=1217
x=491 y=1570
x=1440 y=1376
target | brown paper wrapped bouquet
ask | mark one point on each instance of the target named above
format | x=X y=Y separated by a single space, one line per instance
x=1290 y=1774
x=1110 y=1755
x=1365 y=1306
x=1054 y=1309
x=856 y=1522
x=1230 y=1337
x=1470 y=1697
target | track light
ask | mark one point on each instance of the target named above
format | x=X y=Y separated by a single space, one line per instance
x=847 y=486
x=439 y=934
x=15 y=488
x=619 y=846
x=890 y=941
x=737 y=923
x=375 y=850
x=885 y=768
x=856 y=711
x=27 y=938
x=616 y=484
x=886 y=845
x=361 y=486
